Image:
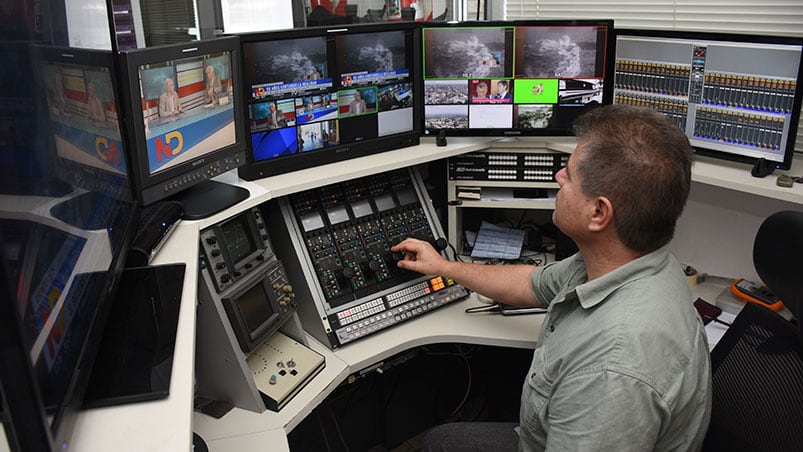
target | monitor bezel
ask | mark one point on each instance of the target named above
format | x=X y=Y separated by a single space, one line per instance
x=134 y=119
x=608 y=74
x=789 y=152
x=303 y=160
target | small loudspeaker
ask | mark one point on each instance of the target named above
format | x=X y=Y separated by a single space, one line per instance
x=441 y=138
x=762 y=168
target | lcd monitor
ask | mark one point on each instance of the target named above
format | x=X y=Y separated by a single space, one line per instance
x=82 y=107
x=59 y=278
x=737 y=97
x=185 y=123
x=322 y=95
x=514 y=78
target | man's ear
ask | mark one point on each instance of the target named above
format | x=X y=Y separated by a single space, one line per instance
x=602 y=217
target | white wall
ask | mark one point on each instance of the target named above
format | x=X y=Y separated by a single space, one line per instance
x=716 y=231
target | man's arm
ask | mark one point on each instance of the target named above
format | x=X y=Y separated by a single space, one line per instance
x=509 y=284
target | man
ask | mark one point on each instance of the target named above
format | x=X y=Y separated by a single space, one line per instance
x=169 y=104
x=622 y=362
x=94 y=105
x=502 y=92
x=213 y=86
x=357 y=105
x=275 y=117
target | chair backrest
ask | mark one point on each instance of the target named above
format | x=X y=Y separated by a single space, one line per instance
x=778 y=258
x=757 y=365
x=757 y=385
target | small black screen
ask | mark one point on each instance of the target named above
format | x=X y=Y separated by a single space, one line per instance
x=239 y=242
x=255 y=308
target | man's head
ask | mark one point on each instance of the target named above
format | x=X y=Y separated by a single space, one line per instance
x=357 y=95
x=640 y=161
x=169 y=86
x=501 y=86
x=272 y=107
x=210 y=72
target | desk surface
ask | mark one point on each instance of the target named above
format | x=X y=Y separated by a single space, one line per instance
x=167 y=424
x=447 y=324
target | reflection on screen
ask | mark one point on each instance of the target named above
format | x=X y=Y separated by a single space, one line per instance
x=384 y=202
x=311 y=221
x=361 y=208
x=254 y=307
x=238 y=241
x=337 y=215
x=407 y=196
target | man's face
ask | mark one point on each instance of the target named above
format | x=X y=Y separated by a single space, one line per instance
x=572 y=206
x=169 y=84
x=356 y=95
x=210 y=72
x=272 y=107
x=501 y=87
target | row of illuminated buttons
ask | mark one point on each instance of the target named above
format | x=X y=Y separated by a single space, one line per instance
x=385 y=319
x=360 y=312
x=408 y=294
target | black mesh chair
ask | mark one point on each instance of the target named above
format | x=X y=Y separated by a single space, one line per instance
x=758 y=363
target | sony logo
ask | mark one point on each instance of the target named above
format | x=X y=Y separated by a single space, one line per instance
x=198 y=162
x=512 y=132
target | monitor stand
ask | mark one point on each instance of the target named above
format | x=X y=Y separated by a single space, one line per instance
x=208 y=198
x=135 y=358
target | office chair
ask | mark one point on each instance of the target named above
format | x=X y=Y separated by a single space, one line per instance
x=758 y=364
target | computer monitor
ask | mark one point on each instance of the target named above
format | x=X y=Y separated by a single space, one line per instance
x=185 y=123
x=58 y=280
x=322 y=95
x=737 y=97
x=84 y=118
x=526 y=78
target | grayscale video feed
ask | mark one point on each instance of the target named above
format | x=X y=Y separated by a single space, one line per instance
x=534 y=116
x=551 y=52
x=465 y=53
x=444 y=92
x=446 y=116
x=287 y=61
x=373 y=52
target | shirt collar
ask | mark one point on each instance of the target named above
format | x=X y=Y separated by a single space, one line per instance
x=594 y=292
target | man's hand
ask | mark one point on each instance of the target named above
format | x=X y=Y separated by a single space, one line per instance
x=419 y=256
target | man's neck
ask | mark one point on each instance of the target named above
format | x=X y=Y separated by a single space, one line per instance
x=606 y=256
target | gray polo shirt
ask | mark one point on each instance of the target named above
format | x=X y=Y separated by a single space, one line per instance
x=622 y=362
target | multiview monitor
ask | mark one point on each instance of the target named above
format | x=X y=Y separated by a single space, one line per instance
x=185 y=122
x=514 y=78
x=322 y=95
x=737 y=97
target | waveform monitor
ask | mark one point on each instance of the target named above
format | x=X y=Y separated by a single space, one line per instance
x=737 y=97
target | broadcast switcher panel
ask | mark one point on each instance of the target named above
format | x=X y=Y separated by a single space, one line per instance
x=509 y=165
x=340 y=237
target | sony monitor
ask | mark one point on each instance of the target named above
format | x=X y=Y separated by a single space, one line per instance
x=737 y=97
x=185 y=123
x=321 y=95
x=514 y=78
x=58 y=278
